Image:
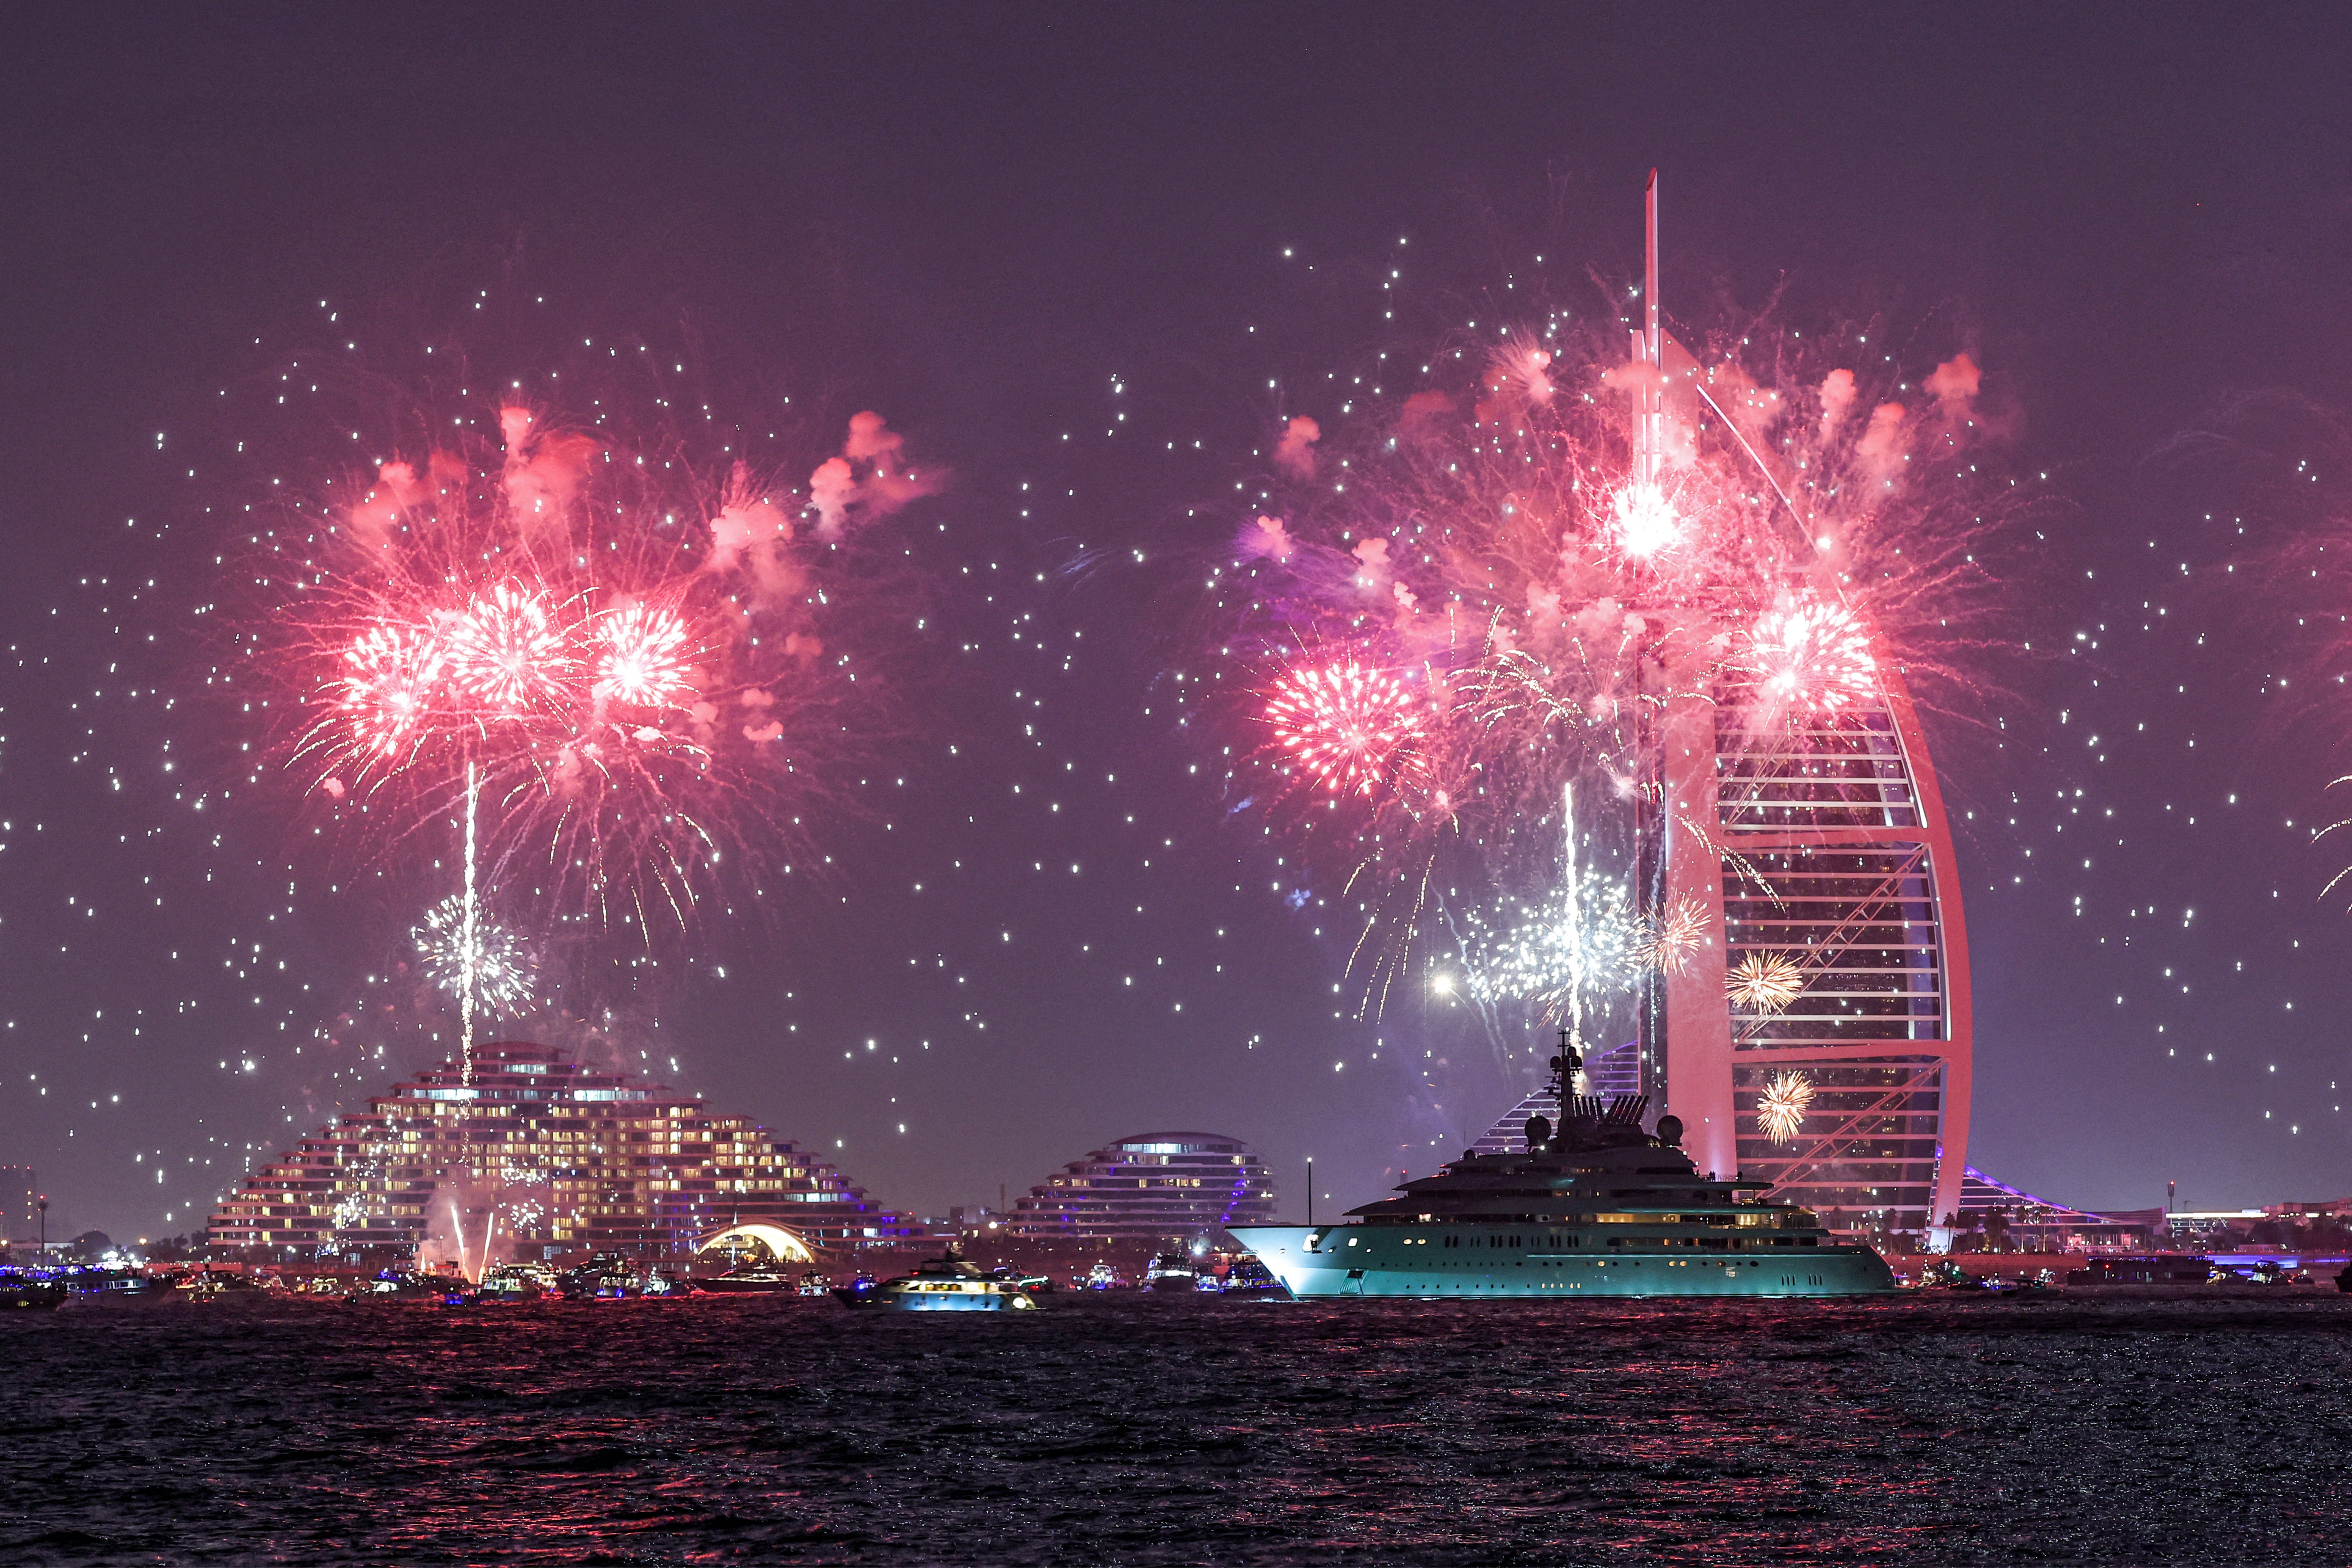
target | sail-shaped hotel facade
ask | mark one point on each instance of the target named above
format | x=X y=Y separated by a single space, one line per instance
x=1821 y=842
x=1824 y=845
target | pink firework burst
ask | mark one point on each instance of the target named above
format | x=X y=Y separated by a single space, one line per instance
x=509 y=653
x=1812 y=657
x=645 y=656
x=1560 y=586
x=624 y=655
x=383 y=695
x=1348 y=725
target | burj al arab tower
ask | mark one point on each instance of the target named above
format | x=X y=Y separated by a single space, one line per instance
x=1820 y=848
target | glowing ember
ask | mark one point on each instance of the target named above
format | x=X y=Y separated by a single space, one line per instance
x=1781 y=1108
x=1347 y=725
x=1764 y=982
x=1813 y=657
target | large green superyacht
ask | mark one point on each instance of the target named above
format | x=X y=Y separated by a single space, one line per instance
x=1594 y=1207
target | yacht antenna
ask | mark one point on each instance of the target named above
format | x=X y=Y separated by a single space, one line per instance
x=1564 y=1068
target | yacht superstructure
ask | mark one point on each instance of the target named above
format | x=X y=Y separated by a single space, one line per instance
x=1595 y=1207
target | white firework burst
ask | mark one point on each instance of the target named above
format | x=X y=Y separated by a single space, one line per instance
x=504 y=970
x=1578 y=937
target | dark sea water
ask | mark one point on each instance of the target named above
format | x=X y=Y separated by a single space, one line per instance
x=1150 y=1430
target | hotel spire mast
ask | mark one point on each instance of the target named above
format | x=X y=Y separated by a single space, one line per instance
x=1649 y=349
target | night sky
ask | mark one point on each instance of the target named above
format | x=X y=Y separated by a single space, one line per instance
x=1092 y=263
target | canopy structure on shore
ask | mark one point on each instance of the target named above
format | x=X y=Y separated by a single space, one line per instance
x=782 y=1244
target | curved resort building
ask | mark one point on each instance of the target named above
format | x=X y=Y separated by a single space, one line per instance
x=1171 y=1187
x=541 y=1155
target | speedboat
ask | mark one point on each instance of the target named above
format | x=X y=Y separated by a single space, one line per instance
x=666 y=1284
x=607 y=1276
x=405 y=1287
x=754 y=1279
x=1103 y=1277
x=512 y=1283
x=212 y=1285
x=1032 y=1283
x=2269 y=1271
x=944 y=1284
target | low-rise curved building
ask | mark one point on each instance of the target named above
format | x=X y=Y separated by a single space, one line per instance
x=541 y=1156
x=1168 y=1187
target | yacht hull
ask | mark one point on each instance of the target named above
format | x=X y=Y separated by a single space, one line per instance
x=885 y=1298
x=1414 y=1261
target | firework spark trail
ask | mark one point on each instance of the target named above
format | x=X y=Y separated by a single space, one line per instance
x=1561 y=954
x=2286 y=458
x=1574 y=903
x=1573 y=953
x=457 y=1224
x=470 y=939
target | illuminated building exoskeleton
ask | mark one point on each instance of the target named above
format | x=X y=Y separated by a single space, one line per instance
x=1831 y=849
